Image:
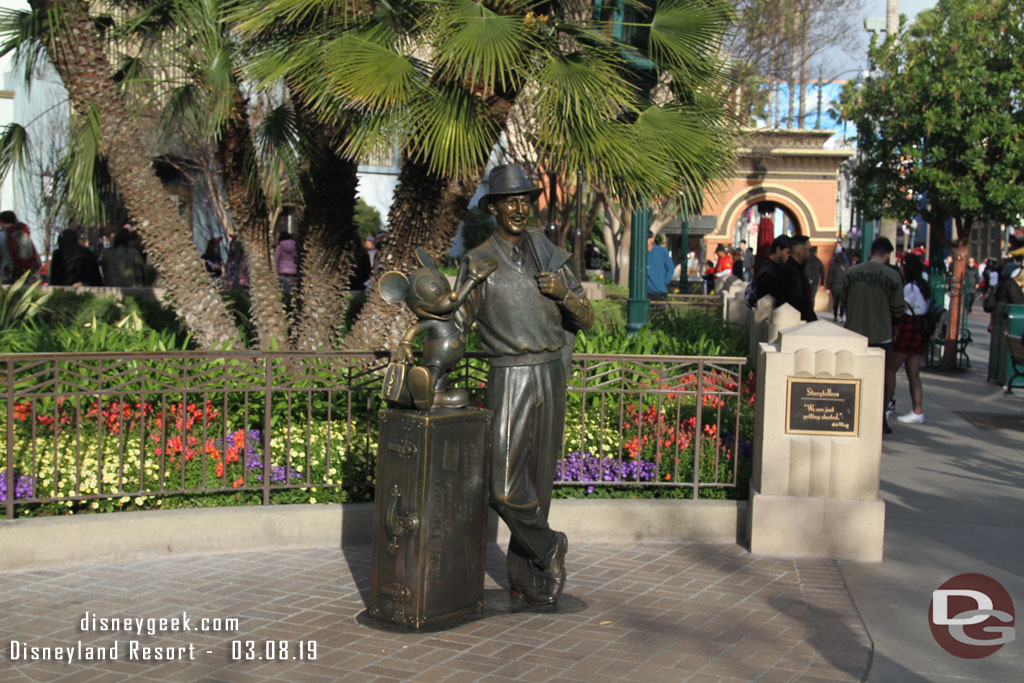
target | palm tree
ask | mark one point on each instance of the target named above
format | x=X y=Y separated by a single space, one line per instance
x=438 y=80
x=70 y=38
x=178 y=74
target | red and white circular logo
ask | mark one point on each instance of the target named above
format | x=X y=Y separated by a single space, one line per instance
x=971 y=616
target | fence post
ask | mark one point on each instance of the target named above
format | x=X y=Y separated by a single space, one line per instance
x=266 y=429
x=9 y=472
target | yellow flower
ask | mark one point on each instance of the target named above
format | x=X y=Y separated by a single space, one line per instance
x=312 y=500
x=94 y=505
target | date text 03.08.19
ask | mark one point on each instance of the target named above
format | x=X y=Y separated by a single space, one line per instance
x=272 y=650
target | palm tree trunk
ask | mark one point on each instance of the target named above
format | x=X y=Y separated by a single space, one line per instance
x=425 y=213
x=249 y=215
x=323 y=291
x=330 y=240
x=79 y=55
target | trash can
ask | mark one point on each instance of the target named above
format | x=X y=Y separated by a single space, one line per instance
x=1006 y=318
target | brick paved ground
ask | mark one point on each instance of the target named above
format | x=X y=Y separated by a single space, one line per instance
x=652 y=611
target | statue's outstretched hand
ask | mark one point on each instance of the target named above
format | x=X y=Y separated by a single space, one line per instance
x=478 y=270
x=552 y=285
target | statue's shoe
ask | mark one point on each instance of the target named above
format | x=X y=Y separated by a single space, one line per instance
x=537 y=597
x=452 y=398
x=421 y=387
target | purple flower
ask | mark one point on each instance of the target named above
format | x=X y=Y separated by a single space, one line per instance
x=584 y=467
x=254 y=458
x=23 y=486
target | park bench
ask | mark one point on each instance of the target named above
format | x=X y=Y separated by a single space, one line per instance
x=1016 y=360
x=938 y=345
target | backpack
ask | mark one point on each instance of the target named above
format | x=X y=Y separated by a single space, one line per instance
x=750 y=294
x=25 y=249
x=932 y=319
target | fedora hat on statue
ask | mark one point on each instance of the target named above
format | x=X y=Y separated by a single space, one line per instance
x=507 y=180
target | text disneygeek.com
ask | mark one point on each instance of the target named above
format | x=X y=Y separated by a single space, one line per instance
x=141 y=651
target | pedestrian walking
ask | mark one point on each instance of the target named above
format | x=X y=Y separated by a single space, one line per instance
x=874 y=297
x=21 y=252
x=796 y=287
x=284 y=261
x=910 y=341
x=660 y=269
x=835 y=283
x=122 y=264
x=74 y=264
x=769 y=277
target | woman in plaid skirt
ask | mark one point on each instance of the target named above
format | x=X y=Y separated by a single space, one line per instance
x=909 y=341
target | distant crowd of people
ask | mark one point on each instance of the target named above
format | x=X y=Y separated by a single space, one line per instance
x=118 y=264
x=887 y=304
x=234 y=272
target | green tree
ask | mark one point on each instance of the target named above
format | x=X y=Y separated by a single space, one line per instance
x=941 y=123
x=367 y=219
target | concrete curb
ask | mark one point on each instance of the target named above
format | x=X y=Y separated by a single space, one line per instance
x=126 y=536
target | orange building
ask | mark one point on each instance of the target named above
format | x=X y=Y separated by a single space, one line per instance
x=789 y=168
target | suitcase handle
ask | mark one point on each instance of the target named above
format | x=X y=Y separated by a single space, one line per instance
x=395 y=524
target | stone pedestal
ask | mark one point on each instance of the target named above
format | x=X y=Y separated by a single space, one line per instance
x=818 y=445
x=734 y=304
x=782 y=318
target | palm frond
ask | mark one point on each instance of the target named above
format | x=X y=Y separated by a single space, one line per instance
x=23 y=36
x=182 y=113
x=15 y=148
x=479 y=46
x=375 y=134
x=368 y=74
x=579 y=90
x=278 y=147
x=219 y=79
x=684 y=35
x=271 y=16
x=451 y=132
x=83 y=169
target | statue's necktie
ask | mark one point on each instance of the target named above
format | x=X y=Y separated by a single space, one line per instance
x=517 y=255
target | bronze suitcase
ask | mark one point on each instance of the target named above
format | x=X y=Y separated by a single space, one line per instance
x=429 y=516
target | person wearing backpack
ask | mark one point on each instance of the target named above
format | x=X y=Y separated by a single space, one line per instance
x=911 y=338
x=22 y=252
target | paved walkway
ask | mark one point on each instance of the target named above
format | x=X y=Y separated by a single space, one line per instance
x=954 y=496
x=648 y=612
x=653 y=611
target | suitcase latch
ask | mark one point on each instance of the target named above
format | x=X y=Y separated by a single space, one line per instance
x=397 y=524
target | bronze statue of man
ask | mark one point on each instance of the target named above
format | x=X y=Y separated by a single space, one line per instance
x=528 y=312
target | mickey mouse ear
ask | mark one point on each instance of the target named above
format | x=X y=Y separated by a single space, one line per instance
x=424 y=258
x=393 y=286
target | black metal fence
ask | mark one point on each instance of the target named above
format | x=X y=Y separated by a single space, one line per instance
x=105 y=432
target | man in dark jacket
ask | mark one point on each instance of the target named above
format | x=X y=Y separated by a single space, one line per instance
x=836 y=283
x=768 y=279
x=74 y=264
x=815 y=271
x=795 y=285
x=971 y=277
